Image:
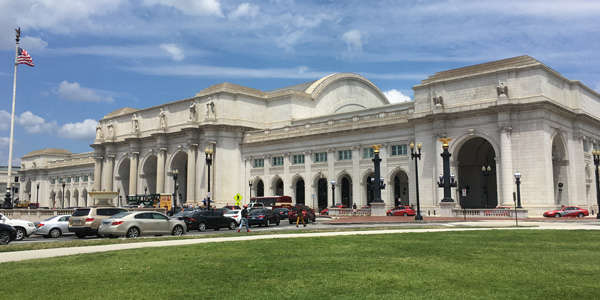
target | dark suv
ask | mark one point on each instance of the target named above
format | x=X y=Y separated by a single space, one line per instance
x=309 y=214
x=7 y=234
x=86 y=220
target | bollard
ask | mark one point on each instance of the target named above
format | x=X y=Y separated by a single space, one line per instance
x=429 y=213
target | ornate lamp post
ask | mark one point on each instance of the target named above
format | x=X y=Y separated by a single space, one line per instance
x=209 y=157
x=377 y=187
x=250 y=185
x=415 y=157
x=596 y=155
x=63 y=195
x=37 y=197
x=447 y=180
x=175 y=173
x=518 y=182
x=333 y=192
x=486 y=173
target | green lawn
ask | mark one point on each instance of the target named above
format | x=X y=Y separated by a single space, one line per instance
x=495 y=264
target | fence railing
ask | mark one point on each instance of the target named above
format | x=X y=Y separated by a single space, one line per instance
x=489 y=212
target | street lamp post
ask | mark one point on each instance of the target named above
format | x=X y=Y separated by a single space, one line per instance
x=596 y=155
x=486 y=173
x=209 y=158
x=37 y=197
x=415 y=157
x=119 y=198
x=63 y=195
x=447 y=180
x=250 y=185
x=333 y=192
x=175 y=173
x=518 y=182
x=377 y=182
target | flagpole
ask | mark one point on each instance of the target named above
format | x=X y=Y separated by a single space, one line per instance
x=7 y=198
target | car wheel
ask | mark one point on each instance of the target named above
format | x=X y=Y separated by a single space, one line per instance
x=277 y=222
x=132 y=232
x=390 y=214
x=291 y=222
x=557 y=215
x=55 y=233
x=326 y=213
x=580 y=215
x=80 y=235
x=178 y=230
x=232 y=225
x=21 y=233
x=201 y=227
x=405 y=214
x=4 y=238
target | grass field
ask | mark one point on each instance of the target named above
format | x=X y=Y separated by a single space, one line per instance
x=495 y=264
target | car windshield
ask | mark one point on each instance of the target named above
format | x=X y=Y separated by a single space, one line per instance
x=121 y=215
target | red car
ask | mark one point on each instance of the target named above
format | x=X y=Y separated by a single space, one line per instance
x=567 y=211
x=401 y=211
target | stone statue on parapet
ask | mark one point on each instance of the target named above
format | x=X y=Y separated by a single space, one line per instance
x=502 y=89
x=210 y=109
x=99 y=131
x=438 y=100
x=193 y=112
x=161 y=117
x=134 y=124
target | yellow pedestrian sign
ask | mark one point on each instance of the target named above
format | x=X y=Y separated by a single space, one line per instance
x=237 y=199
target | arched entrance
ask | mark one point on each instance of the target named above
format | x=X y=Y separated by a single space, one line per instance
x=400 y=180
x=346 y=190
x=370 y=192
x=75 y=197
x=149 y=173
x=322 y=189
x=260 y=189
x=300 y=199
x=480 y=187
x=123 y=175
x=179 y=163
x=559 y=171
x=277 y=187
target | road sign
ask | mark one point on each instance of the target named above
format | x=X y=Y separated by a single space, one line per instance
x=237 y=197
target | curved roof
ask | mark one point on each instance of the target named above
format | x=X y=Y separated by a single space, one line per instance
x=320 y=85
x=49 y=151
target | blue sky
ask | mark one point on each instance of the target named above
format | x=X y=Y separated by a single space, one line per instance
x=93 y=57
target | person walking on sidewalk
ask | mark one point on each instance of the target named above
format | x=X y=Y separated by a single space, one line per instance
x=354 y=209
x=244 y=219
x=300 y=214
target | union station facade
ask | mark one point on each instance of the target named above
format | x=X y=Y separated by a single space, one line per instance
x=513 y=115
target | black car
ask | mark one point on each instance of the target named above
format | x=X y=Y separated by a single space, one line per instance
x=208 y=219
x=7 y=234
x=282 y=212
x=262 y=217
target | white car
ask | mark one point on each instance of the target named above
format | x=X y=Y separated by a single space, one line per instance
x=54 y=227
x=24 y=228
x=234 y=214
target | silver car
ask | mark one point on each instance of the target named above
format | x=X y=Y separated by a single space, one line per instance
x=133 y=224
x=54 y=226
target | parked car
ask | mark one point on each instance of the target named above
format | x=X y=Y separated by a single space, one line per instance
x=85 y=221
x=132 y=224
x=209 y=219
x=326 y=211
x=567 y=211
x=222 y=210
x=401 y=210
x=7 y=234
x=255 y=205
x=234 y=214
x=232 y=207
x=263 y=217
x=54 y=227
x=282 y=212
x=23 y=228
x=309 y=214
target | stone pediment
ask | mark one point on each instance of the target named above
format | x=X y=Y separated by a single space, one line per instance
x=121 y=111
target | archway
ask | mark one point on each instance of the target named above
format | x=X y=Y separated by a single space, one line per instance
x=68 y=200
x=300 y=194
x=370 y=192
x=401 y=195
x=322 y=189
x=260 y=189
x=480 y=190
x=75 y=198
x=346 y=190
x=179 y=163
x=559 y=171
x=123 y=178
x=84 y=198
x=278 y=187
x=149 y=173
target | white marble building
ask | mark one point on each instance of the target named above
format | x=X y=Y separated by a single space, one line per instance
x=513 y=115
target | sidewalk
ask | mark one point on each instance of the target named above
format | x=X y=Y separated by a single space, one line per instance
x=452 y=224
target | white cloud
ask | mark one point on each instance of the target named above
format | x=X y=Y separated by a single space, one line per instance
x=85 y=130
x=4 y=142
x=35 y=124
x=173 y=50
x=244 y=10
x=354 y=43
x=395 y=96
x=4 y=120
x=75 y=92
x=194 y=7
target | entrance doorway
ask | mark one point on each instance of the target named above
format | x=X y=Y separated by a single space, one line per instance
x=478 y=187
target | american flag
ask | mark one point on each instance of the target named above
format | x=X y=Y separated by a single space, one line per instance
x=24 y=58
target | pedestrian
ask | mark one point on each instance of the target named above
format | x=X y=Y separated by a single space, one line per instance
x=244 y=219
x=354 y=209
x=300 y=214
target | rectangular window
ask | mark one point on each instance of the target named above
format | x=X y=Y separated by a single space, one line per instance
x=398 y=150
x=259 y=162
x=298 y=159
x=53 y=180
x=278 y=161
x=321 y=157
x=68 y=179
x=345 y=155
x=76 y=178
x=85 y=178
x=368 y=152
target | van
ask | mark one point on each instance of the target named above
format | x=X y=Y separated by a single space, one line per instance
x=273 y=201
x=86 y=220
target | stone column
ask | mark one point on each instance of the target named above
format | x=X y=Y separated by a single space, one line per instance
x=98 y=173
x=191 y=176
x=505 y=165
x=358 y=189
x=109 y=173
x=309 y=187
x=160 y=171
x=331 y=172
x=287 y=183
x=133 y=173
